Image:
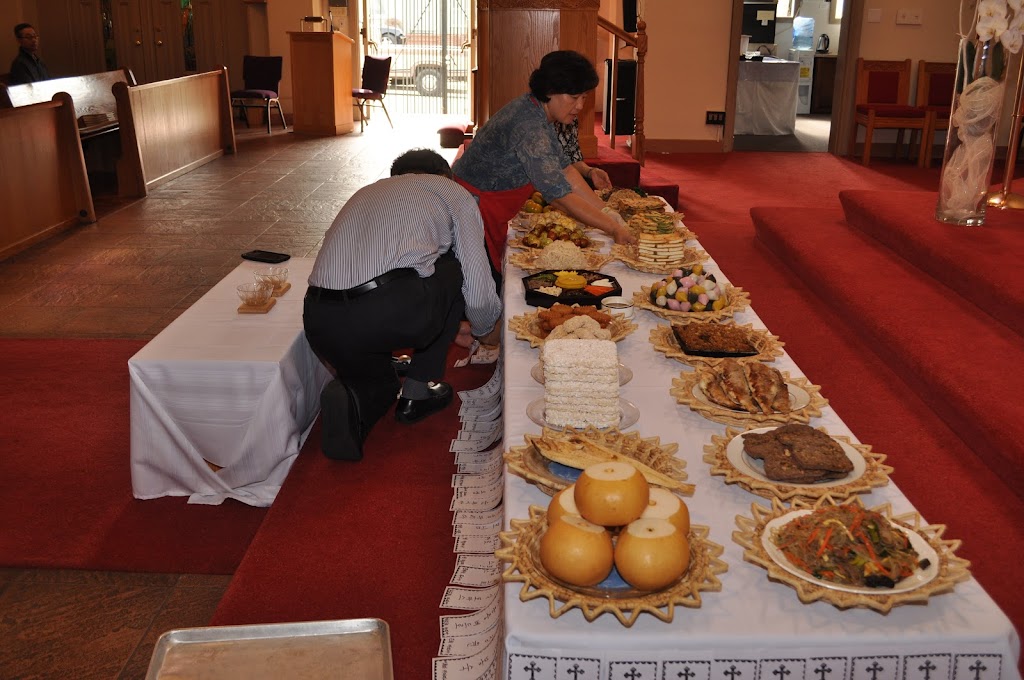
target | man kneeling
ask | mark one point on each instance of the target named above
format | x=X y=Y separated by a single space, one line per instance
x=402 y=264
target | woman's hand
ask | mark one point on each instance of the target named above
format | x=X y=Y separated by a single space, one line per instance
x=599 y=178
x=622 y=234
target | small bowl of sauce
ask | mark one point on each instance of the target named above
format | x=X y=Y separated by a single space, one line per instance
x=618 y=305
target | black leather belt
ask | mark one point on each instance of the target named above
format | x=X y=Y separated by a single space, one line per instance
x=318 y=293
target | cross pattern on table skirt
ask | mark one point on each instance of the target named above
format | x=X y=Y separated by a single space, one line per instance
x=881 y=667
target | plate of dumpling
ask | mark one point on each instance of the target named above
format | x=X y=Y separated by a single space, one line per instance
x=748 y=394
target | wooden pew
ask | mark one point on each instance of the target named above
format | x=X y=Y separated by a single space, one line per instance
x=45 y=188
x=92 y=95
x=170 y=127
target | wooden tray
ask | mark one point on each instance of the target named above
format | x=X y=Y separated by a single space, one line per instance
x=526 y=327
x=737 y=300
x=684 y=386
x=628 y=256
x=258 y=309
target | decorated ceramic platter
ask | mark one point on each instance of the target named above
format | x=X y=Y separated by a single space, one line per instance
x=805 y=402
x=520 y=549
x=765 y=347
x=727 y=458
x=628 y=255
x=528 y=327
x=930 y=568
x=628 y=414
x=537 y=373
x=737 y=300
x=656 y=459
x=527 y=259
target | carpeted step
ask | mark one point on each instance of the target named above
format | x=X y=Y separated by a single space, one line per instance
x=960 y=360
x=982 y=263
x=941 y=475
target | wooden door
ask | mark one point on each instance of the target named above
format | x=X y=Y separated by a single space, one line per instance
x=221 y=36
x=148 y=38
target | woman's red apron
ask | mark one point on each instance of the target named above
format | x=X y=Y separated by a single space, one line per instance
x=497 y=208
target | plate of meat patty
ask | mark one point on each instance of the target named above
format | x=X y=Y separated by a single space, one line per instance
x=795 y=454
x=795 y=461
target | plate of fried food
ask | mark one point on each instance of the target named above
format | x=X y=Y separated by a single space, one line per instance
x=748 y=394
x=565 y=321
x=706 y=343
x=795 y=461
x=849 y=555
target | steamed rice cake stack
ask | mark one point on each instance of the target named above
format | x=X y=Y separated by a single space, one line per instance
x=581 y=383
x=660 y=250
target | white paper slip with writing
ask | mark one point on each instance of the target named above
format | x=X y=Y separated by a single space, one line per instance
x=469 y=599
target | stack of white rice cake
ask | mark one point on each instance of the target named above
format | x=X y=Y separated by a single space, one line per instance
x=660 y=250
x=581 y=383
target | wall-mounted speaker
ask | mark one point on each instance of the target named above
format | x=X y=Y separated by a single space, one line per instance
x=338 y=3
x=629 y=16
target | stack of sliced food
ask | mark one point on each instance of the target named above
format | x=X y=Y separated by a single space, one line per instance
x=752 y=387
x=581 y=383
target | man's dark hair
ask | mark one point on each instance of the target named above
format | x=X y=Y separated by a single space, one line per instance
x=562 y=72
x=421 y=161
x=19 y=28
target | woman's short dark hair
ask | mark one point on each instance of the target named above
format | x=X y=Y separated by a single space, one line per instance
x=421 y=161
x=562 y=72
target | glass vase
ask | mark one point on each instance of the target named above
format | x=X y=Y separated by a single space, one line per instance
x=973 y=125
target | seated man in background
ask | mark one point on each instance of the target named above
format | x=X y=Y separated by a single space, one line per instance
x=27 y=67
x=402 y=264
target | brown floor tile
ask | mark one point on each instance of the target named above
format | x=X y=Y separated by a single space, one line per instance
x=190 y=606
x=104 y=578
x=73 y=630
x=46 y=322
x=148 y=297
x=105 y=273
x=113 y=323
x=130 y=255
x=64 y=293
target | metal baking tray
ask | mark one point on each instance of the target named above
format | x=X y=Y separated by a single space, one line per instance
x=352 y=648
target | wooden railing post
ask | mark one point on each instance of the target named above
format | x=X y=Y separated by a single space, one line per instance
x=638 y=41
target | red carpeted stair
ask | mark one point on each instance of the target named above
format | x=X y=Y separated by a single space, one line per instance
x=961 y=360
x=982 y=264
x=945 y=477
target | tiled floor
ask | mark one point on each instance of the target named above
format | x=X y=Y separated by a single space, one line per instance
x=129 y=275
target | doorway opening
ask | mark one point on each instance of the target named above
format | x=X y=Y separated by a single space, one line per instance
x=429 y=42
x=800 y=39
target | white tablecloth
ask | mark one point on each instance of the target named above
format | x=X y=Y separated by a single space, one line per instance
x=766 y=97
x=239 y=391
x=753 y=629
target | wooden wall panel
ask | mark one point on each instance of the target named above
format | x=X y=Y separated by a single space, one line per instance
x=45 y=187
x=171 y=127
x=518 y=40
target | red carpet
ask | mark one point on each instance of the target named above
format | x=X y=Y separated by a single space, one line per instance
x=940 y=474
x=367 y=539
x=66 y=499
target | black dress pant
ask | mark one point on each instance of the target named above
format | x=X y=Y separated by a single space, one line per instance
x=358 y=336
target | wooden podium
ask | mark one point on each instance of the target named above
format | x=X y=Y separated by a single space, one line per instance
x=321 y=82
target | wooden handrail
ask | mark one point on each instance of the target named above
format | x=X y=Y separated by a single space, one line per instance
x=638 y=41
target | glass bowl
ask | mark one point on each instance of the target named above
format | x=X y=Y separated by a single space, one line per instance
x=255 y=294
x=275 y=276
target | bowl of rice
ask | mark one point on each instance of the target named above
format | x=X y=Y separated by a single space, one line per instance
x=560 y=255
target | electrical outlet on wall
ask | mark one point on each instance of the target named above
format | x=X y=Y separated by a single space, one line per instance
x=714 y=118
x=910 y=17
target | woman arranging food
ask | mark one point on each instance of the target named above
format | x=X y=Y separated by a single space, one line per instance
x=517 y=152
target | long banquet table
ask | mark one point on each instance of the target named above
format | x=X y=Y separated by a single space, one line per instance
x=753 y=629
x=221 y=401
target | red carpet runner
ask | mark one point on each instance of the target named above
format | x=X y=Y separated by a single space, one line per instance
x=368 y=539
x=66 y=499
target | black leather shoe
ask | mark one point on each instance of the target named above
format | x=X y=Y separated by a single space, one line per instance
x=341 y=431
x=401 y=364
x=414 y=410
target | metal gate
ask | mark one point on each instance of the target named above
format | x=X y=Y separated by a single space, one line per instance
x=429 y=45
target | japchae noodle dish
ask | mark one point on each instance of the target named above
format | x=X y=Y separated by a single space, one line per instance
x=848 y=545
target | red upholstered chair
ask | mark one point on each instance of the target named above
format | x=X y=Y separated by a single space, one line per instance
x=262 y=76
x=883 y=93
x=935 y=82
x=376 y=74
